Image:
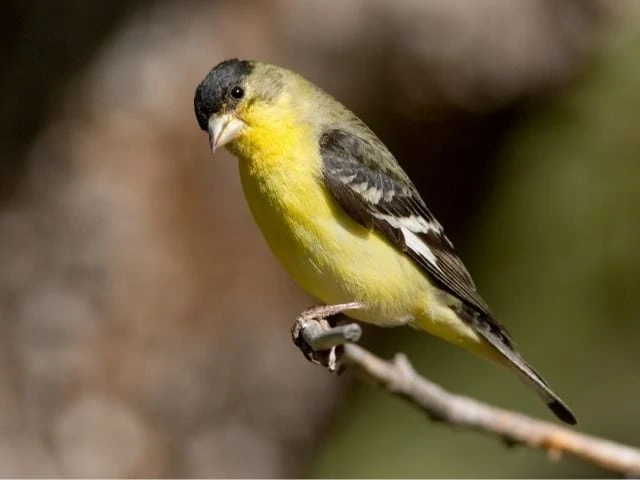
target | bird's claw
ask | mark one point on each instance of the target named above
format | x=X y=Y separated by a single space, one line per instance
x=316 y=335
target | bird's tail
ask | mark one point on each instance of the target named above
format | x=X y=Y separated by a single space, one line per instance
x=510 y=357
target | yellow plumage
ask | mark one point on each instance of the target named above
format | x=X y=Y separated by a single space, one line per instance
x=331 y=256
x=342 y=216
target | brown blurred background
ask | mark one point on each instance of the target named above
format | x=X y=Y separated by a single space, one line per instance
x=144 y=325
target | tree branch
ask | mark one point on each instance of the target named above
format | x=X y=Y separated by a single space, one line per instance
x=399 y=378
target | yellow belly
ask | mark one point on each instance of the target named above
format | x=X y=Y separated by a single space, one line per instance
x=332 y=257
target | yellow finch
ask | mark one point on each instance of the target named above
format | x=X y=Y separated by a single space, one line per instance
x=342 y=216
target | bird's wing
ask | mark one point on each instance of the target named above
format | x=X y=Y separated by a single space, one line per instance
x=362 y=178
x=365 y=180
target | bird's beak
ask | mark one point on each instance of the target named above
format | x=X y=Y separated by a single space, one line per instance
x=223 y=128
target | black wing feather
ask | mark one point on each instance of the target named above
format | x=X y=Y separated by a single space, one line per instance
x=364 y=179
x=348 y=167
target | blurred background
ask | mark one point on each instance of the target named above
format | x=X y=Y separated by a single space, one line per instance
x=144 y=326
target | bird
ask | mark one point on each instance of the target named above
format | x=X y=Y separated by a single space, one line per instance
x=343 y=217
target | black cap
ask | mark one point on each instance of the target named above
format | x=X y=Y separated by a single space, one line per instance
x=212 y=93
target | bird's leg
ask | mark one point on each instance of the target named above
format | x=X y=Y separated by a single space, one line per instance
x=318 y=336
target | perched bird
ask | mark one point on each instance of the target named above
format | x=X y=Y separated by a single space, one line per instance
x=342 y=216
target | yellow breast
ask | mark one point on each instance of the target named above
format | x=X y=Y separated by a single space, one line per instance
x=329 y=255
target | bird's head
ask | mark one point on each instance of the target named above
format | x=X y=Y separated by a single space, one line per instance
x=238 y=96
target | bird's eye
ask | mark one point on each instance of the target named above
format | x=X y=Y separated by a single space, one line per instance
x=237 y=92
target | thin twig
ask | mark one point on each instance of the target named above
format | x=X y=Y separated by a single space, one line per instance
x=321 y=339
x=399 y=378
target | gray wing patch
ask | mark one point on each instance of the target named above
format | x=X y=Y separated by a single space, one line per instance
x=386 y=200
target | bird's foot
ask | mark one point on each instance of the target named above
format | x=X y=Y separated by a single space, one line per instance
x=320 y=337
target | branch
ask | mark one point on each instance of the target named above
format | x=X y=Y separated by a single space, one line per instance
x=399 y=378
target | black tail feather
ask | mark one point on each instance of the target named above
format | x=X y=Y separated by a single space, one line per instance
x=498 y=339
x=562 y=412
